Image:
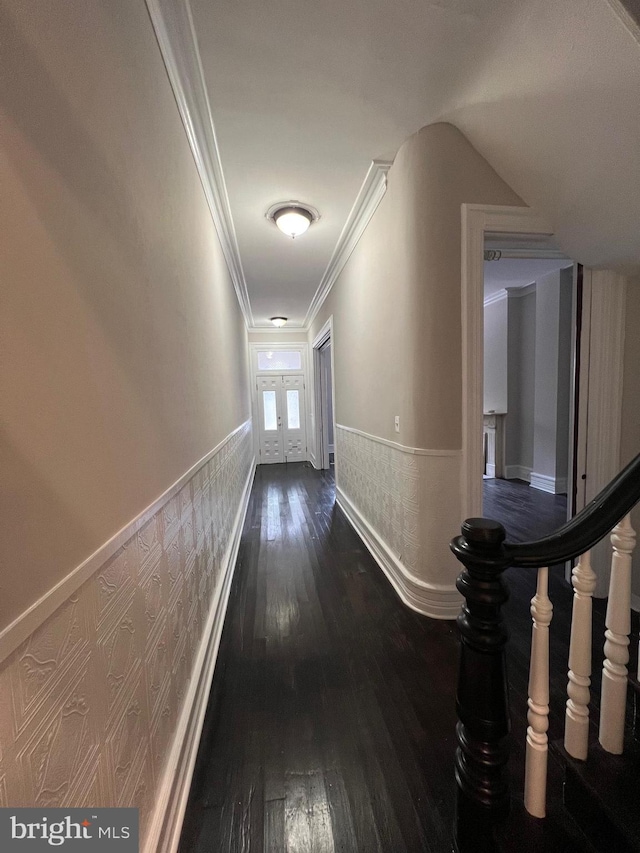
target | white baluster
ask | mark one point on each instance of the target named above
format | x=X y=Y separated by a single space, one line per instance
x=535 y=782
x=576 y=730
x=616 y=647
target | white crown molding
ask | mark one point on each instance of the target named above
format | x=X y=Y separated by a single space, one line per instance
x=498 y=296
x=519 y=292
x=173 y=24
x=371 y=193
x=626 y=17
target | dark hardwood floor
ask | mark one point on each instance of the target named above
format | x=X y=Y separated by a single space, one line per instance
x=330 y=726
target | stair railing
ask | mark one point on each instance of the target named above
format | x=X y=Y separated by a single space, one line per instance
x=482 y=791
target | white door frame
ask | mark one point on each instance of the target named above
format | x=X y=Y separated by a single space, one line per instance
x=478 y=220
x=325 y=334
x=254 y=349
x=602 y=338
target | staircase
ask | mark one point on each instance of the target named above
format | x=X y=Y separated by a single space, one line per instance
x=580 y=793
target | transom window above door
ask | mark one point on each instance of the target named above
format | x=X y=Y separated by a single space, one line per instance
x=279 y=360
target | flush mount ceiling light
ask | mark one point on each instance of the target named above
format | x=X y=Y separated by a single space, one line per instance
x=278 y=321
x=292 y=217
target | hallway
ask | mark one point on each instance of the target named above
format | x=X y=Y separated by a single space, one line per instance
x=331 y=723
x=330 y=726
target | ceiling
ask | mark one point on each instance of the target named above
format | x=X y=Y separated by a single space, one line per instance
x=518 y=272
x=304 y=95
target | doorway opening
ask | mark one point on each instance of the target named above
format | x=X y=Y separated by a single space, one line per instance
x=323 y=373
x=530 y=349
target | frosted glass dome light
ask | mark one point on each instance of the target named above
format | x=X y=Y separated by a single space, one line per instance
x=292 y=218
x=293 y=221
x=279 y=322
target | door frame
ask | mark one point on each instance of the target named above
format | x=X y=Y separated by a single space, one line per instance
x=601 y=341
x=254 y=349
x=478 y=220
x=321 y=339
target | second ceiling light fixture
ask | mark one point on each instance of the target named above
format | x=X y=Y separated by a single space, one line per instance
x=292 y=217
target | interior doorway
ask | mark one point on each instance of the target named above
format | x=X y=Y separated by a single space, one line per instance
x=323 y=372
x=530 y=349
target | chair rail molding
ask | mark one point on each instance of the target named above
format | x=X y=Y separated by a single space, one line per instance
x=478 y=220
x=173 y=25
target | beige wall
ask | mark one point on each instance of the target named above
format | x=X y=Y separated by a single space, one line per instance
x=396 y=305
x=397 y=351
x=124 y=351
x=630 y=433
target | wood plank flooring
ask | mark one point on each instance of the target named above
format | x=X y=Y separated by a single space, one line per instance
x=331 y=722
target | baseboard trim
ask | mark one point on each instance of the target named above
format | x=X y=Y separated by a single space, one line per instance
x=517 y=472
x=552 y=485
x=491 y=471
x=434 y=600
x=166 y=824
x=312 y=459
x=36 y=614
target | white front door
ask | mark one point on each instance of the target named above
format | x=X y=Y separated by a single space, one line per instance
x=282 y=418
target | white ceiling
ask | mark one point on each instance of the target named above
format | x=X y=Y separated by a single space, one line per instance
x=517 y=272
x=305 y=94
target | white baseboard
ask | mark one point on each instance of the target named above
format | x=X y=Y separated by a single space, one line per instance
x=312 y=459
x=436 y=601
x=166 y=824
x=517 y=472
x=491 y=471
x=552 y=485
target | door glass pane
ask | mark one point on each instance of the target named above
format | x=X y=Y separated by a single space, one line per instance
x=269 y=405
x=283 y=360
x=293 y=410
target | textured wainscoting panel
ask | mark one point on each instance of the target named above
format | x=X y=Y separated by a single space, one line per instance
x=409 y=501
x=89 y=703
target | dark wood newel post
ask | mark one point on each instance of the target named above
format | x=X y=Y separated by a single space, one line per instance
x=482 y=798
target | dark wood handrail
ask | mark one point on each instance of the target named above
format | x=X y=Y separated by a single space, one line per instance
x=482 y=699
x=585 y=529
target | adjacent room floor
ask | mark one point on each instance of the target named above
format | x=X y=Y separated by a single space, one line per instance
x=331 y=722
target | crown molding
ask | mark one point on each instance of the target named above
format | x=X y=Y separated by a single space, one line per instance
x=371 y=193
x=519 y=292
x=498 y=296
x=172 y=21
x=627 y=18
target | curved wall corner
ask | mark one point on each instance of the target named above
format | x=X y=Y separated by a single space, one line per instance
x=397 y=338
